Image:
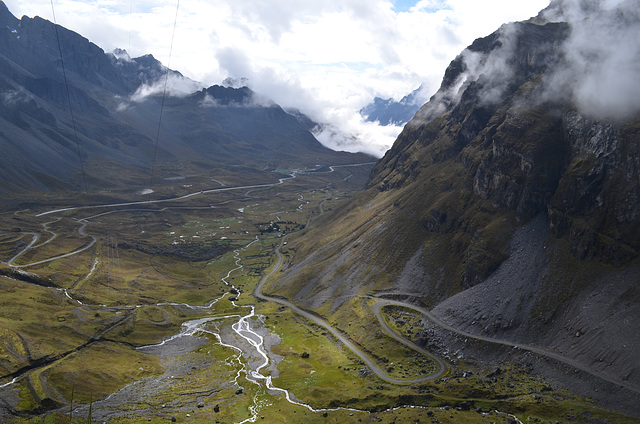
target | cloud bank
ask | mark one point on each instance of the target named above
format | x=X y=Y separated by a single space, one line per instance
x=172 y=85
x=326 y=58
x=600 y=72
x=596 y=69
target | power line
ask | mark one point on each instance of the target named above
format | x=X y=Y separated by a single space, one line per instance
x=164 y=93
x=66 y=85
x=128 y=81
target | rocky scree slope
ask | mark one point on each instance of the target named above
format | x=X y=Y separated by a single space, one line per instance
x=508 y=211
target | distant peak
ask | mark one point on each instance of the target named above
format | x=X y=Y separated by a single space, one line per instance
x=225 y=96
x=121 y=54
x=147 y=58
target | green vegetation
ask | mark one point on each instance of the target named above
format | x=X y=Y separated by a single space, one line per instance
x=356 y=318
x=155 y=268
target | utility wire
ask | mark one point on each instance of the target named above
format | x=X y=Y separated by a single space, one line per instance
x=66 y=85
x=164 y=94
x=126 y=110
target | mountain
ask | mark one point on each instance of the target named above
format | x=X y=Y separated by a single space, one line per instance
x=116 y=103
x=391 y=112
x=510 y=204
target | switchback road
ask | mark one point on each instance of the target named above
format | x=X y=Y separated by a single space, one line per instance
x=440 y=366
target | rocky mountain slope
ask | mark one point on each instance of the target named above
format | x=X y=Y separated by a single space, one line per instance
x=108 y=118
x=510 y=203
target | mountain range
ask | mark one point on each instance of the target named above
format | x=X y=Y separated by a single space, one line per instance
x=71 y=112
x=509 y=205
x=391 y=112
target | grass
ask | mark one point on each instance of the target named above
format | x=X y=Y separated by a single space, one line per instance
x=314 y=368
x=94 y=372
x=180 y=253
x=13 y=352
x=356 y=318
x=130 y=266
x=44 y=319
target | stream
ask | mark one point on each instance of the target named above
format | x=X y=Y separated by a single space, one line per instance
x=245 y=337
x=252 y=346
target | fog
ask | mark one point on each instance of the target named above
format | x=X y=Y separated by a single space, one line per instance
x=600 y=72
x=596 y=69
x=171 y=85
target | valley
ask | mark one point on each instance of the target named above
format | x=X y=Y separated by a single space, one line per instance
x=200 y=255
x=152 y=309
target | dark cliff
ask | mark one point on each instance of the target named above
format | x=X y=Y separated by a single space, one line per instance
x=521 y=154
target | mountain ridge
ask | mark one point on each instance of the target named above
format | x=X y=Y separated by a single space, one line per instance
x=115 y=111
x=493 y=154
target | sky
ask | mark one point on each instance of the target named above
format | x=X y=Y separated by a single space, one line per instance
x=327 y=58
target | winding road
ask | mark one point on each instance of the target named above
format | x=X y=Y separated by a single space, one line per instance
x=534 y=349
x=36 y=237
x=440 y=366
x=243 y=329
x=172 y=199
x=377 y=306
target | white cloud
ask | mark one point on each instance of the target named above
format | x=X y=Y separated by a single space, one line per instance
x=356 y=135
x=327 y=58
x=172 y=85
x=601 y=70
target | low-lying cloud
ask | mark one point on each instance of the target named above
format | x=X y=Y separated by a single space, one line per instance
x=493 y=70
x=255 y=100
x=172 y=85
x=326 y=58
x=596 y=68
x=356 y=135
x=600 y=72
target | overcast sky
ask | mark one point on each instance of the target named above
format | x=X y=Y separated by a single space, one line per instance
x=328 y=58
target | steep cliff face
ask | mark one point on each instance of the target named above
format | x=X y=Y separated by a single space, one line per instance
x=506 y=201
x=523 y=151
x=597 y=203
